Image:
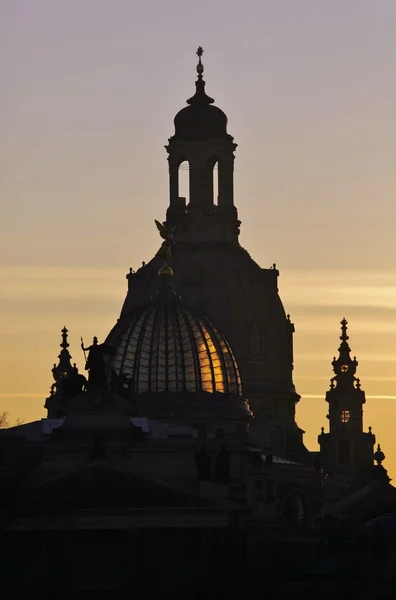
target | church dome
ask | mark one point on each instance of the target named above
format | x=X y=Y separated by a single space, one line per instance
x=200 y=120
x=167 y=345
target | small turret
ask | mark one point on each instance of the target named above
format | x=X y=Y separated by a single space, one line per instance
x=346 y=451
x=202 y=145
x=68 y=381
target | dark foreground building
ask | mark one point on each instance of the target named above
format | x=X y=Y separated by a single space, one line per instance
x=178 y=468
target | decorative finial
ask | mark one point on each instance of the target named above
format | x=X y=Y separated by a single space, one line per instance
x=64 y=344
x=165 y=272
x=322 y=430
x=200 y=67
x=344 y=337
x=200 y=97
x=379 y=456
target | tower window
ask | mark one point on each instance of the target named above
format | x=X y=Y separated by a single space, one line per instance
x=345 y=416
x=344 y=368
x=216 y=184
x=184 y=181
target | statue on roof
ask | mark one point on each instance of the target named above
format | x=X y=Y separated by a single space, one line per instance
x=129 y=277
x=168 y=243
x=95 y=362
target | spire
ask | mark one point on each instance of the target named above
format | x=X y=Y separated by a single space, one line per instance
x=64 y=344
x=200 y=96
x=64 y=368
x=344 y=366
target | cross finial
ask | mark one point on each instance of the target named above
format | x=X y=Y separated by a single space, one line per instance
x=200 y=96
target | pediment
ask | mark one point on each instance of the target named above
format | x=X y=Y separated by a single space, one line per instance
x=100 y=487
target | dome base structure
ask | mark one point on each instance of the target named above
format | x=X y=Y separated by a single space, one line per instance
x=243 y=300
x=218 y=411
x=178 y=365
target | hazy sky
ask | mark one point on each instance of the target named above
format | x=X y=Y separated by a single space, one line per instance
x=89 y=89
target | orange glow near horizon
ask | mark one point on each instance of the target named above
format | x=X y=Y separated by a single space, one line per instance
x=88 y=302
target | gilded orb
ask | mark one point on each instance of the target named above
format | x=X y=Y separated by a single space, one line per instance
x=165 y=272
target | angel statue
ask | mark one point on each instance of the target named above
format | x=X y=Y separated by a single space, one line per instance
x=169 y=241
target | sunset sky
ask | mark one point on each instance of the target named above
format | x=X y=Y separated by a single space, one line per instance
x=89 y=92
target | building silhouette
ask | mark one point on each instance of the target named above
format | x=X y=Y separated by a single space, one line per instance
x=213 y=271
x=177 y=466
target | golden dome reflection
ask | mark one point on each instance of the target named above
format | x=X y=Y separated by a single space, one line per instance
x=169 y=345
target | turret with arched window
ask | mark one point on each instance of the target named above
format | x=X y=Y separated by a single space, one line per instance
x=202 y=146
x=346 y=452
